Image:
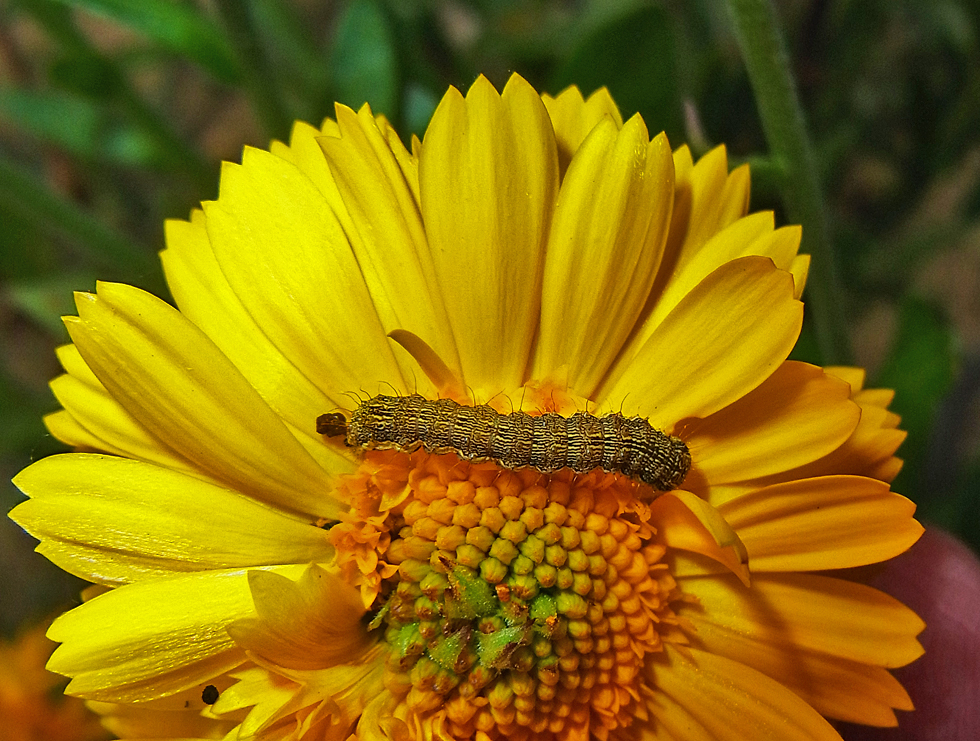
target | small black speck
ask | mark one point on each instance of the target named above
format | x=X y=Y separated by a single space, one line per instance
x=210 y=695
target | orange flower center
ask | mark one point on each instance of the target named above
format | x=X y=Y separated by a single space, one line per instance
x=513 y=603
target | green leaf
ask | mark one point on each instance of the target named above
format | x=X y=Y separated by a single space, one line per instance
x=920 y=368
x=363 y=58
x=177 y=27
x=635 y=56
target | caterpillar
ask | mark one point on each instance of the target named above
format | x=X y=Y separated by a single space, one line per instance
x=547 y=443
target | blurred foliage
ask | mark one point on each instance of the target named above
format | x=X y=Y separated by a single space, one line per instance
x=114 y=116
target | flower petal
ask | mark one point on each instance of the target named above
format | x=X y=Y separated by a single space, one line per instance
x=700 y=211
x=114 y=520
x=751 y=235
x=148 y=720
x=205 y=297
x=853 y=376
x=304 y=151
x=312 y=623
x=387 y=234
x=728 y=699
x=725 y=338
x=869 y=451
x=107 y=426
x=832 y=685
x=173 y=637
x=833 y=522
x=574 y=117
x=489 y=177
x=716 y=199
x=688 y=523
x=76 y=367
x=288 y=260
x=608 y=233
x=795 y=416
x=171 y=377
x=92 y=419
x=810 y=612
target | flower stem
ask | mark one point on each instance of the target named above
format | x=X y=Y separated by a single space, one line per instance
x=758 y=34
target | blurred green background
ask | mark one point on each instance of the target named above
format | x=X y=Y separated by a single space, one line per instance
x=114 y=115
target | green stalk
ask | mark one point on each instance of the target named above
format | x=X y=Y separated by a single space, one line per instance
x=758 y=34
x=256 y=73
x=57 y=216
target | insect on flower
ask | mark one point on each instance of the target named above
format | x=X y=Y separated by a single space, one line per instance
x=546 y=443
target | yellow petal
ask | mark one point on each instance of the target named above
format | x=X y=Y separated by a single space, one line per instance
x=795 y=416
x=489 y=177
x=816 y=613
x=92 y=419
x=262 y=691
x=286 y=257
x=706 y=200
x=144 y=721
x=66 y=428
x=115 y=520
x=444 y=380
x=679 y=220
x=172 y=378
x=688 y=523
x=304 y=151
x=407 y=161
x=173 y=637
x=853 y=376
x=608 y=233
x=112 y=428
x=71 y=360
x=728 y=700
x=800 y=267
x=333 y=697
x=717 y=200
x=312 y=623
x=205 y=297
x=725 y=338
x=387 y=235
x=574 y=117
x=751 y=235
x=833 y=522
x=834 y=686
x=869 y=451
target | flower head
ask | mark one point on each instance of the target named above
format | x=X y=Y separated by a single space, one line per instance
x=473 y=574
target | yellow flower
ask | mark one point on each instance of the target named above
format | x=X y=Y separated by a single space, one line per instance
x=31 y=706
x=261 y=580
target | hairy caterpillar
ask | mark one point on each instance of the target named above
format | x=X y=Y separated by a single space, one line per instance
x=547 y=443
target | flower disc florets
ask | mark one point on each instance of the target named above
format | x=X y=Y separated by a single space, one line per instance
x=522 y=603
